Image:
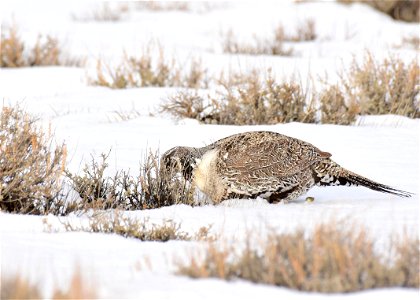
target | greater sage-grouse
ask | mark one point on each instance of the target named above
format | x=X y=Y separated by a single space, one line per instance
x=262 y=163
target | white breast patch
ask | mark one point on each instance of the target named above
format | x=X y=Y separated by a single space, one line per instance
x=206 y=168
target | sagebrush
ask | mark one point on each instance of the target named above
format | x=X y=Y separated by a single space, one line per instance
x=104 y=12
x=30 y=165
x=331 y=259
x=47 y=51
x=33 y=176
x=274 y=45
x=246 y=100
x=16 y=287
x=151 y=188
x=390 y=86
x=367 y=87
x=142 y=230
x=148 y=69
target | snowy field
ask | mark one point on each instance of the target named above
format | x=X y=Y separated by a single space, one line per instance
x=383 y=148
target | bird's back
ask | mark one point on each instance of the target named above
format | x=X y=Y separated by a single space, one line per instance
x=260 y=161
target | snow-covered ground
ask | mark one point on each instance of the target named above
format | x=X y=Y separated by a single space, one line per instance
x=383 y=148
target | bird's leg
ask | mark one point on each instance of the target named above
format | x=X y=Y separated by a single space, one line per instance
x=281 y=195
x=296 y=192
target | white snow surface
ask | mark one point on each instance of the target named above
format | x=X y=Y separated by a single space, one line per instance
x=383 y=148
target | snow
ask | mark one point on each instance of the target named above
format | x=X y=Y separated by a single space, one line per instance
x=88 y=119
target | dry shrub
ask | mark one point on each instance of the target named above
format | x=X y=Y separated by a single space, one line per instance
x=405 y=10
x=265 y=102
x=367 y=88
x=103 y=13
x=30 y=167
x=145 y=70
x=413 y=41
x=150 y=189
x=306 y=31
x=142 y=230
x=407 y=261
x=18 y=288
x=189 y=104
x=12 y=49
x=46 y=52
x=387 y=87
x=273 y=45
x=124 y=115
x=246 y=100
x=334 y=108
x=331 y=259
x=163 y=5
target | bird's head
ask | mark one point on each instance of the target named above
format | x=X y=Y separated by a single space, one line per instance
x=179 y=160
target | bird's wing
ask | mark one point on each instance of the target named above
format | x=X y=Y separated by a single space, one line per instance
x=259 y=162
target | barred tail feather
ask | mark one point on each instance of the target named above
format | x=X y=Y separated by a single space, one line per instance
x=329 y=173
x=359 y=180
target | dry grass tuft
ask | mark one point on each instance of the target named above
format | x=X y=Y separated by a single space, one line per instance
x=306 y=31
x=246 y=100
x=387 y=87
x=413 y=41
x=30 y=167
x=368 y=88
x=147 y=70
x=329 y=260
x=18 y=288
x=334 y=108
x=46 y=52
x=189 y=104
x=103 y=13
x=11 y=49
x=143 y=230
x=150 y=189
x=272 y=46
x=163 y=5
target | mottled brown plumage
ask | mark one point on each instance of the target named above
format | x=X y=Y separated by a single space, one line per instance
x=265 y=164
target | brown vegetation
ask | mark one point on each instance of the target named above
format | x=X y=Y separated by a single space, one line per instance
x=147 y=70
x=272 y=46
x=163 y=5
x=413 y=41
x=367 y=88
x=103 y=13
x=30 y=166
x=32 y=170
x=334 y=108
x=46 y=52
x=18 y=288
x=387 y=87
x=331 y=259
x=142 y=230
x=246 y=100
x=150 y=189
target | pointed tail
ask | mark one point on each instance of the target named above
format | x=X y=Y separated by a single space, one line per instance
x=329 y=173
x=360 y=180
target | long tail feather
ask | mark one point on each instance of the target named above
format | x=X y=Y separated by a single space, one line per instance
x=329 y=173
x=360 y=180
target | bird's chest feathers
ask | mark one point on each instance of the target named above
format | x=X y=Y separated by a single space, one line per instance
x=205 y=175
